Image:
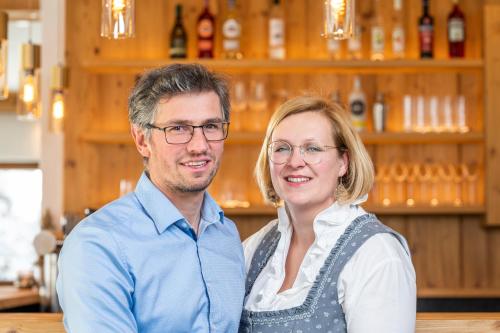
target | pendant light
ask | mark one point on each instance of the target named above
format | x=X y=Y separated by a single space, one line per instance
x=338 y=19
x=4 y=87
x=117 y=20
x=58 y=83
x=28 y=103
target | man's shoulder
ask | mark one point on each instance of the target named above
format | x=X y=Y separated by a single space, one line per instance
x=113 y=216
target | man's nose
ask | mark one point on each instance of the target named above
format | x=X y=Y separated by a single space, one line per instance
x=198 y=142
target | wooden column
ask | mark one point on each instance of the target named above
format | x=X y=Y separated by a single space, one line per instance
x=492 y=114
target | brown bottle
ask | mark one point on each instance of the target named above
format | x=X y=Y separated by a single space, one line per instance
x=206 y=33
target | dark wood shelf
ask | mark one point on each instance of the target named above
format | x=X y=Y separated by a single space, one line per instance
x=400 y=210
x=292 y=65
x=386 y=138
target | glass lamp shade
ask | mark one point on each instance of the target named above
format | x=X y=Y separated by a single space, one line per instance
x=117 y=20
x=57 y=112
x=338 y=19
x=58 y=82
x=28 y=103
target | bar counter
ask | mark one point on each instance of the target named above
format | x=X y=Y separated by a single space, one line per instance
x=13 y=297
x=426 y=322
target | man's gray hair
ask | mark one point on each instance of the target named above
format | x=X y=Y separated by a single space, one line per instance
x=169 y=81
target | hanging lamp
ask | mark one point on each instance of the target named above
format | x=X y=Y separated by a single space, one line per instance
x=28 y=103
x=338 y=19
x=118 y=19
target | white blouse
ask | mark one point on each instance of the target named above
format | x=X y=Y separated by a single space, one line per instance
x=377 y=288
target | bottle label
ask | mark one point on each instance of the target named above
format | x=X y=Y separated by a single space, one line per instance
x=398 y=40
x=276 y=32
x=426 y=37
x=231 y=44
x=178 y=47
x=358 y=109
x=231 y=29
x=377 y=39
x=456 y=30
x=205 y=28
x=205 y=45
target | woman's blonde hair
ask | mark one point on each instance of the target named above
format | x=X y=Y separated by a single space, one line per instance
x=358 y=179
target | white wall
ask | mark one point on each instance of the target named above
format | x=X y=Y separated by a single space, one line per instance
x=19 y=141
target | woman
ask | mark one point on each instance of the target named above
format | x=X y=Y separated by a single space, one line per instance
x=324 y=265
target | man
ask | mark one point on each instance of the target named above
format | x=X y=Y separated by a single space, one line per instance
x=163 y=258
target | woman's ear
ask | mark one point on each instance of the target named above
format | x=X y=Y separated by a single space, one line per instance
x=344 y=160
x=141 y=141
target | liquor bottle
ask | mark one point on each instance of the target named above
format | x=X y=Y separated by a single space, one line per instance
x=377 y=35
x=335 y=97
x=426 y=32
x=277 y=31
x=456 y=32
x=357 y=105
x=379 y=113
x=178 y=36
x=231 y=33
x=354 y=44
x=398 y=31
x=334 y=48
x=206 y=33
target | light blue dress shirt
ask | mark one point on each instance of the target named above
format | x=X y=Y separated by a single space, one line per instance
x=137 y=266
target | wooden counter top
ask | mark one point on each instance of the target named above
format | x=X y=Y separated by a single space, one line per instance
x=12 y=297
x=426 y=322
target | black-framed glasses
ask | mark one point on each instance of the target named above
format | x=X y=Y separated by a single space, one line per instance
x=280 y=152
x=179 y=134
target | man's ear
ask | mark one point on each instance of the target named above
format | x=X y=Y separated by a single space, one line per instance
x=141 y=141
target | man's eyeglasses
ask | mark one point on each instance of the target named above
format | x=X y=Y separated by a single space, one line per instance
x=280 y=152
x=179 y=134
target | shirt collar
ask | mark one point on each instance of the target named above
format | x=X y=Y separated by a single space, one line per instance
x=336 y=214
x=163 y=212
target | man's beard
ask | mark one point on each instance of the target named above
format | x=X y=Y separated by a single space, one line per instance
x=195 y=188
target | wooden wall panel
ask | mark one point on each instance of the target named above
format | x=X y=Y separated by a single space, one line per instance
x=449 y=251
x=492 y=116
x=436 y=252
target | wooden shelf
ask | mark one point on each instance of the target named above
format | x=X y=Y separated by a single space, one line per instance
x=387 y=138
x=126 y=138
x=459 y=293
x=402 y=210
x=108 y=138
x=426 y=210
x=251 y=211
x=292 y=65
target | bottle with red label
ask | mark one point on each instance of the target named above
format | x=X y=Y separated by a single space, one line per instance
x=456 y=32
x=426 y=32
x=206 y=33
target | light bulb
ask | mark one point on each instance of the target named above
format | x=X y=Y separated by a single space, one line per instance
x=28 y=104
x=338 y=19
x=28 y=94
x=57 y=114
